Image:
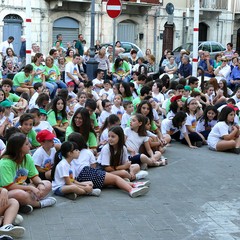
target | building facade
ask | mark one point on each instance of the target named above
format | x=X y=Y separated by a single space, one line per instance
x=143 y=22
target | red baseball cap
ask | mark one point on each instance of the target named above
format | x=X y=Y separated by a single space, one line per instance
x=175 y=98
x=44 y=135
x=69 y=84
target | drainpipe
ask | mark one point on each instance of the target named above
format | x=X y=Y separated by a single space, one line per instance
x=155 y=33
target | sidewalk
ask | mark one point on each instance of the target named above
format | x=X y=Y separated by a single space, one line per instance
x=195 y=197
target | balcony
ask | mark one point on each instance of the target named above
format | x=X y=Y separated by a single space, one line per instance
x=139 y=2
x=211 y=5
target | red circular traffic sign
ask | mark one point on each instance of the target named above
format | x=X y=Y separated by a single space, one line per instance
x=114 y=8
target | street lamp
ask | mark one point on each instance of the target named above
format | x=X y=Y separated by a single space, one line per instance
x=92 y=64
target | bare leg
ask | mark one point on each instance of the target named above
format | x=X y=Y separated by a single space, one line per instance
x=73 y=189
x=224 y=145
x=11 y=212
x=111 y=179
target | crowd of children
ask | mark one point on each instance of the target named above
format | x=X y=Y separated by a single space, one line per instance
x=74 y=140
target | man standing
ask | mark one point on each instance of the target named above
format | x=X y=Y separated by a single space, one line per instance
x=6 y=44
x=79 y=46
x=72 y=72
x=22 y=53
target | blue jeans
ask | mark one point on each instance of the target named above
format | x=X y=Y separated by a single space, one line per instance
x=123 y=79
x=56 y=85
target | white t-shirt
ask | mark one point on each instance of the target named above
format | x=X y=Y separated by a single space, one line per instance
x=85 y=159
x=97 y=81
x=77 y=106
x=134 y=141
x=159 y=97
x=168 y=128
x=63 y=169
x=125 y=120
x=235 y=98
x=103 y=117
x=104 y=135
x=107 y=93
x=118 y=111
x=42 y=159
x=2 y=147
x=191 y=121
x=43 y=125
x=104 y=157
x=201 y=125
x=72 y=69
x=32 y=102
x=218 y=131
x=155 y=115
x=4 y=47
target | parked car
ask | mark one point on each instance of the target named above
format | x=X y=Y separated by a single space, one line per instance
x=212 y=47
x=128 y=46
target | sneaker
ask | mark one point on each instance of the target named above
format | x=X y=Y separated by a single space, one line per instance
x=25 y=209
x=141 y=174
x=135 y=192
x=144 y=166
x=6 y=237
x=199 y=144
x=95 y=192
x=71 y=196
x=235 y=150
x=18 y=220
x=47 y=202
x=141 y=184
x=13 y=231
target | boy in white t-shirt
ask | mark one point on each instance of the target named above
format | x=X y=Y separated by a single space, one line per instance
x=44 y=156
x=128 y=107
x=38 y=87
x=107 y=89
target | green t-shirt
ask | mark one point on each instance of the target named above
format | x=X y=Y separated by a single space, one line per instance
x=0 y=74
x=32 y=138
x=136 y=102
x=121 y=69
x=21 y=78
x=55 y=121
x=128 y=99
x=92 y=139
x=38 y=78
x=11 y=173
x=94 y=118
x=13 y=97
x=53 y=72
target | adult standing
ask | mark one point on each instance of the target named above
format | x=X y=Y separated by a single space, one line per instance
x=79 y=45
x=103 y=61
x=22 y=52
x=6 y=44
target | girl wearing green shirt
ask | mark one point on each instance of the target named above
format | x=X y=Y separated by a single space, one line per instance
x=124 y=89
x=81 y=123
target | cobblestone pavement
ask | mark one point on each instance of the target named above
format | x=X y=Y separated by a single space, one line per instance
x=195 y=197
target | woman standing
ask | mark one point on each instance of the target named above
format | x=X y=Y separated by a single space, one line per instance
x=103 y=61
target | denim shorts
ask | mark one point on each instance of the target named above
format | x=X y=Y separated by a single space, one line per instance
x=59 y=192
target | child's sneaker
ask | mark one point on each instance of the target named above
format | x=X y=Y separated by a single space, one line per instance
x=13 y=231
x=141 y=174
x=5 y=237
x=47 y=202
x=71 y=196
x=144 y=166
x=18 y=220
x=141 y=184
x=95 y=192
x=25 y=209
x=135 y=192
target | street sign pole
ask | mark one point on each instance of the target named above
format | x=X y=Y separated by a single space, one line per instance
x=114 y=9
x=114 y=38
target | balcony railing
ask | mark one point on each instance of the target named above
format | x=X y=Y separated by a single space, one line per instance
x=211 y=4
